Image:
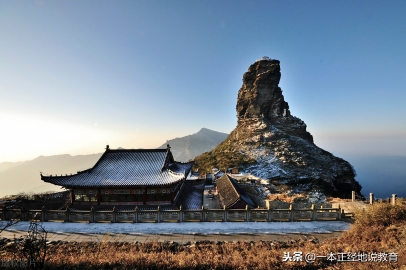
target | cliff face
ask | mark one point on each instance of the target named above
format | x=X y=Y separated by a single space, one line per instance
x=270 y=143
x=260 y=97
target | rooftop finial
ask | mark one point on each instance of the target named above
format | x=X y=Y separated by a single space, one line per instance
x=107 y=147
x=168 y=147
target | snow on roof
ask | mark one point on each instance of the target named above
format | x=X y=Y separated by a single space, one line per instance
x=127 y=167
x=219 y=174
x=191 y=197
x=192 y=177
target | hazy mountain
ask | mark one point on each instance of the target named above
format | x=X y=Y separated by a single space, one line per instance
x=7 y=165
x=188 y=147
x=25 y=176
x=16 y=177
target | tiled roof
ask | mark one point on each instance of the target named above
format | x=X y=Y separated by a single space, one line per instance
x=231 y=192
x=125 y=168
x=219 y=174
x=191 y=197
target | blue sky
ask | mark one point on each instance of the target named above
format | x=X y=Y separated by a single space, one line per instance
x=77 y=75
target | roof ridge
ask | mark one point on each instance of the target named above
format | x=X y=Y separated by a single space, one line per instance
x=242 y=194
x=166 y=157
x=232 y=184
x=136 y=150
x=180 y=162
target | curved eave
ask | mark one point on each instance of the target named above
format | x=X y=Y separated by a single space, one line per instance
x=66 y=175
x=186 y=166
x=48 y=180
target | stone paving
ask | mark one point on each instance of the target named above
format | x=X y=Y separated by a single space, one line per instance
x=213 y=202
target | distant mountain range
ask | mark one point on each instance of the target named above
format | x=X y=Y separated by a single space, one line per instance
x=189 y=147
x=16 y=177
x=25 y=176
x=7 y=165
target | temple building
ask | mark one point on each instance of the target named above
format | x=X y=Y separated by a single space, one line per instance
x=127 y=177
x=231 y=195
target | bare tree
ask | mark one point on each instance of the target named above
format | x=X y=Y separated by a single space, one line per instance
x=33 y=247
x=31 y=250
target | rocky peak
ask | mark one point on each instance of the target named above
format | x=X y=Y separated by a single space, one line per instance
x=261 y=98
x=270 y=143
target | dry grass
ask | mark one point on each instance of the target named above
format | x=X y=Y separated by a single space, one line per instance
x=289 y=198
x=381 y=214
x=381 y=228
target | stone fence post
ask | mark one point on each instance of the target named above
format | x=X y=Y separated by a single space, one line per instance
x=291 y=212
x=313 y=212
x=203 y=213
x=268 y=214
x=353 y=196
x=43 y=214
x=180 y=214
x=136 y=214
x=114 y=215
x=394 y=199
x=91 y=215
x=371 y=198
x=67 y=213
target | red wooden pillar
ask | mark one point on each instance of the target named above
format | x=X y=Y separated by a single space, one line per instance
x=72 y=196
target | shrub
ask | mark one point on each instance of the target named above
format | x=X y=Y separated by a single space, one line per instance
x=380 y=214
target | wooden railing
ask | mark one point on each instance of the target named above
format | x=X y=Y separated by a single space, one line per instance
x=159 y=215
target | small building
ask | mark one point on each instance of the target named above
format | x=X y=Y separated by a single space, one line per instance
x=232 y=170
x=264 y=58
x=231 y=195
x=127 y=177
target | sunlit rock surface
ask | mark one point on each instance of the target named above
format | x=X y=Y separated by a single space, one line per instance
x=270 y=143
